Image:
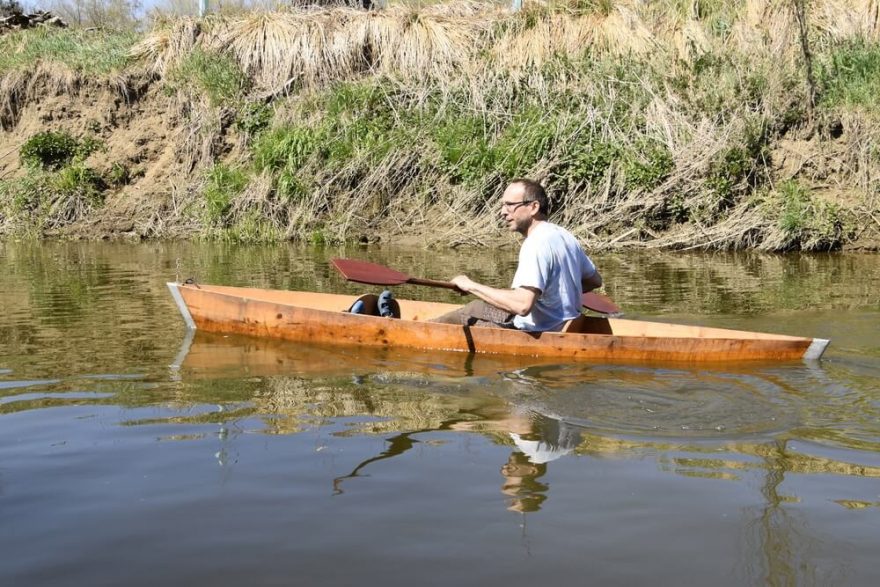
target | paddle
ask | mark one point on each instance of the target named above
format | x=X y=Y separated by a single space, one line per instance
x=370 y=273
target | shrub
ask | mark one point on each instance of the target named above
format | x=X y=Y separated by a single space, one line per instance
x=53 y=150
x=49 y=150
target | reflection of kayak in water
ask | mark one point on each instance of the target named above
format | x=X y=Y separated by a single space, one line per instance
x=325 y=318
x=211 y=355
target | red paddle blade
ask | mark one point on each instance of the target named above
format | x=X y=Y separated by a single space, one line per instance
x=599 y=303
x=363 y=272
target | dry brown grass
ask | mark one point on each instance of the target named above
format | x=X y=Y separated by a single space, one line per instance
x=440 y=42
x=168 y=43
x=847 y=19
x=315 y=46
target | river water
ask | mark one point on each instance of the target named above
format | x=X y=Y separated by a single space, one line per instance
x=132 y=455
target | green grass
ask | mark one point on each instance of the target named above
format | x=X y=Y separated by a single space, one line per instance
x=50 y=199
x=218 y=77
x=86 y=52
x=285 y=148
x=222 y=184
x=463 y=143
x=850 y=76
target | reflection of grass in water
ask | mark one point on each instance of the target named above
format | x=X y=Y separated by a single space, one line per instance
x=741 y=283
x=390 y=407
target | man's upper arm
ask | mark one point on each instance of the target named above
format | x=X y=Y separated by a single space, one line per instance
x=528 y=295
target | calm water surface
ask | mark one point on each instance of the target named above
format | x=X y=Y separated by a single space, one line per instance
x=132 y=455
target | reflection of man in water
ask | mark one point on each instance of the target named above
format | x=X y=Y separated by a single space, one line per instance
x=540 y=439
x=521 y=484
x=544 y=439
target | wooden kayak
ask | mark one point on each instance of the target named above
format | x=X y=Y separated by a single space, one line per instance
x=325 y=318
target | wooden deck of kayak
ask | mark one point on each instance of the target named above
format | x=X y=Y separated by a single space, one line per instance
x=324 y=318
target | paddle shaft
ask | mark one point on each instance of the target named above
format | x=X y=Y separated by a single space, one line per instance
x=432 y=283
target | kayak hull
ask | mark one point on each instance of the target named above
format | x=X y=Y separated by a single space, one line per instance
x=324 y=318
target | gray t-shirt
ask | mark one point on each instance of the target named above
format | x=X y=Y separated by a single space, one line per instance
x=552 y=261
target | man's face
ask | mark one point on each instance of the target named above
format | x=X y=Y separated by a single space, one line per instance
x=515 y=211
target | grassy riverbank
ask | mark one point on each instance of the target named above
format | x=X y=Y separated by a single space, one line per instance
x=712 y=124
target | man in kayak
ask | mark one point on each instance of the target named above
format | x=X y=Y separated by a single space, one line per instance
x=552 y=273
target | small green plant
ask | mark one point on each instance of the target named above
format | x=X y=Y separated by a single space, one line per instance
x=253 y=118
x=591 y=162
x=118 y=175
x=806 y=221
x=649 y=165
x=739 y=167
x=318 y=238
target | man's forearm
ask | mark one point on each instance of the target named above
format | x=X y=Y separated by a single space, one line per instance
x=516 y=301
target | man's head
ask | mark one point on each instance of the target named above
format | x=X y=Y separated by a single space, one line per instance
x=523 y=202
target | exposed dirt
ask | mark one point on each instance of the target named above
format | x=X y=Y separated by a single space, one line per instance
x=141 y=131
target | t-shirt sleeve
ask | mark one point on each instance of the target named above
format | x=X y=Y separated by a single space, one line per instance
x=588 y=269
x=533 y=269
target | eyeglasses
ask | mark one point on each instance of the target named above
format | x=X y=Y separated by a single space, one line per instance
x=511 y=206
